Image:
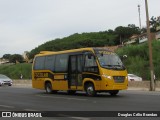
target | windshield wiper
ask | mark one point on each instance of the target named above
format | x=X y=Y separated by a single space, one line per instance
x=114 y=66
x=108 y=65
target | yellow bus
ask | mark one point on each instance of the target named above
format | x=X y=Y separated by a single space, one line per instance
x=86 y=69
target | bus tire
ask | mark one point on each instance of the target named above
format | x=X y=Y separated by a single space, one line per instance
x=90 y=90
x=48 y=88
x=113 y=92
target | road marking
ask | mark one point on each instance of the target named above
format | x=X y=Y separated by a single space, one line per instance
x=62 y=97
x=6 y=106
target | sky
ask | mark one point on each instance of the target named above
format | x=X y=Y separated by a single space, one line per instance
x=26 y=24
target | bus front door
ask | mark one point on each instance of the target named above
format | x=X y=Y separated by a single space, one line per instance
x=75 y=71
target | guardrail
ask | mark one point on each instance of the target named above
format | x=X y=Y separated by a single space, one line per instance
x=142 y=85
x=22 y=83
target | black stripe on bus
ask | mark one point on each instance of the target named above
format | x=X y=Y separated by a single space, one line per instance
x=43 y=75
x=92 y=76
x=48 y=75
x=51 y=76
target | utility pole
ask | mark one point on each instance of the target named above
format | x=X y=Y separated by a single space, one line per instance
x=139 y=11
x=152 y=83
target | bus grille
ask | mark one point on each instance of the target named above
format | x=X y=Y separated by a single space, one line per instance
x=119 y=79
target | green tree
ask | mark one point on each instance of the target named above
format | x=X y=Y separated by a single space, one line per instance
x=93 y=39
x=6 y=56
x=125 y=32
x=137 y=61
x=143 y=30
x=154 y=23
x=15 y=57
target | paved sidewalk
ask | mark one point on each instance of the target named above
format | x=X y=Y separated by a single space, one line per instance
x=130 y=88
x=140 y=86
x=142 y=89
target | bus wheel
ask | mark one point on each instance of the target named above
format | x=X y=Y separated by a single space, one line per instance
x=113 y=92
x=90 y=91
x=48 y=88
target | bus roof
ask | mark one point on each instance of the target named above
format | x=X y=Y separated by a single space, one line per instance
x=72 y=50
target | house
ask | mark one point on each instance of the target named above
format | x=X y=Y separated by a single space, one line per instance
x=143 y=37
x=3 y=61
x=132 y=40
x=135 y=39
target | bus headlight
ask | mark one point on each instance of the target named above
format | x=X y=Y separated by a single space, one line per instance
x=126 y=77
x=106 y=76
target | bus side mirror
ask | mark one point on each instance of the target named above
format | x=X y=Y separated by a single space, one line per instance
x=123 y=57
x=89 y=55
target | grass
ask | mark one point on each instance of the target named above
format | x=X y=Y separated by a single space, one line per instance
x=137 y=62
x=14 y=71
x=138 y=59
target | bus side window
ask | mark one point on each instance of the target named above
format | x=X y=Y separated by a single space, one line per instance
x=61 y=63
x=90 y=64
x=80 y=62
x=49 y=62
x=39 y=63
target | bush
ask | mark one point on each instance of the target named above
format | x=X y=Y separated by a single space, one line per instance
x=138 y=59
x=14 y=71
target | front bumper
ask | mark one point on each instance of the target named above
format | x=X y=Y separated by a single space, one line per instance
x=6 y=83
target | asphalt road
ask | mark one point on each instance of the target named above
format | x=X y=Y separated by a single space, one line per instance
x=28 y=99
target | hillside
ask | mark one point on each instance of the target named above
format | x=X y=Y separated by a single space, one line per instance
x=138 y=59
x=14 y=71
x=78 y=41
x=137 y=62
x=92 y=39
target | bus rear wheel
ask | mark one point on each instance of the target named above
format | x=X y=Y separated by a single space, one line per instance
x=90 y=90
x=48 y=88
x=113 y=92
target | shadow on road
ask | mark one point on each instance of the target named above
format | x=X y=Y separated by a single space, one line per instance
x=82 y=94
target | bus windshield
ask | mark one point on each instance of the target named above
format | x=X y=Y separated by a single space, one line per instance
x=109 y=60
